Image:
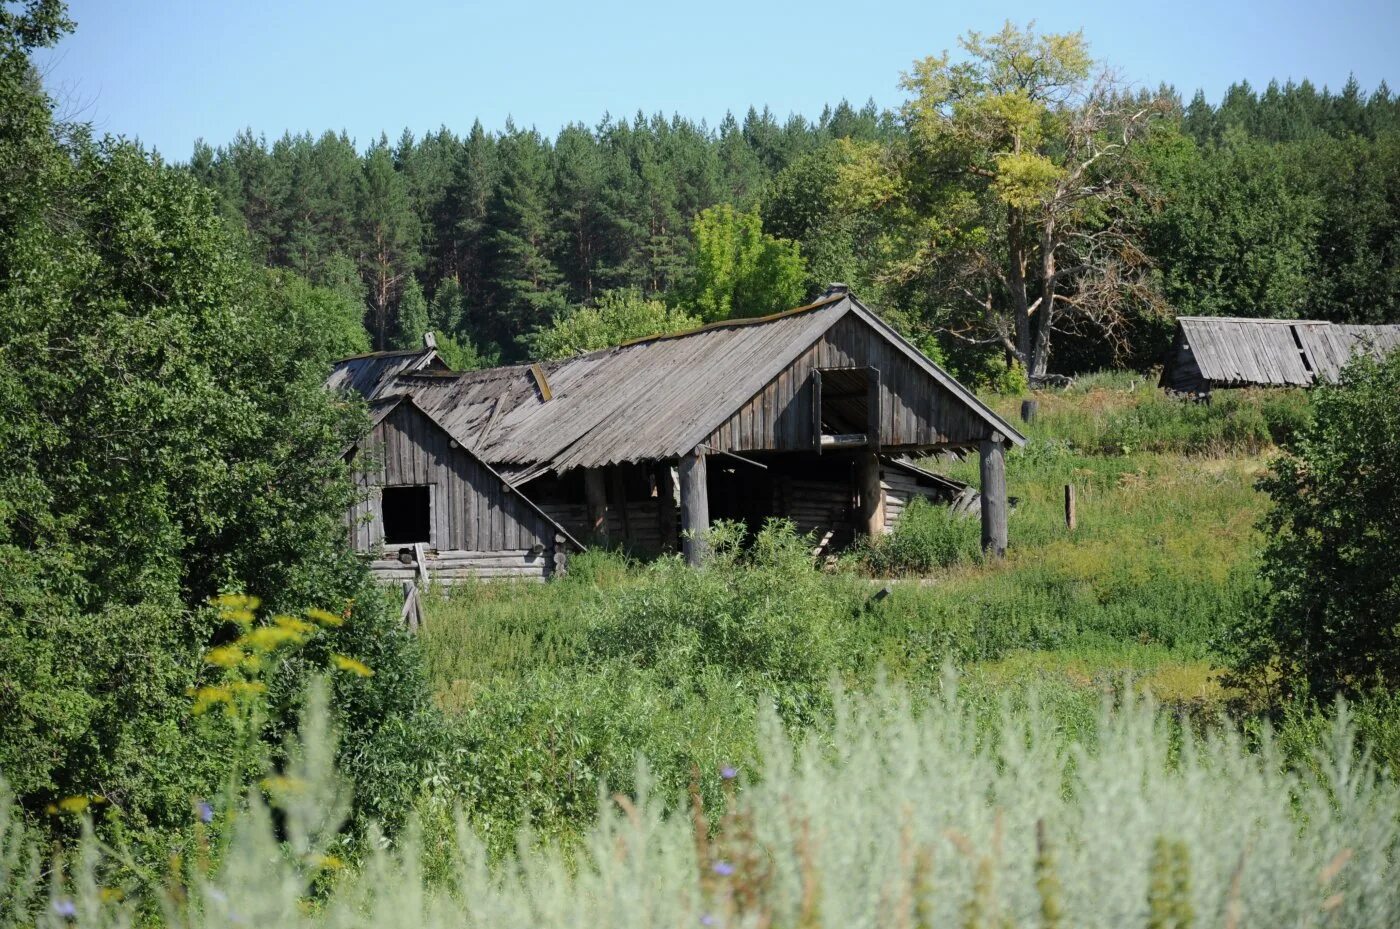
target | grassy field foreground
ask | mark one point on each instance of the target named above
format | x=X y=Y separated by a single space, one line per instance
x=554 y=688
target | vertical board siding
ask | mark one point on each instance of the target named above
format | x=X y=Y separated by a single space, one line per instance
x=472 y=510
x=915 y=410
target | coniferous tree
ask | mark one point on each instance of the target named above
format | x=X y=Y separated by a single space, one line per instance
x=528 y=288
x=388 y=247
x=413 y=319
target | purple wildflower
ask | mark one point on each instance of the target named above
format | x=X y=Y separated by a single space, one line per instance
x=723 y=868
x=729 y=772
x=206 y=812
x=65 y=907
x=706 y=919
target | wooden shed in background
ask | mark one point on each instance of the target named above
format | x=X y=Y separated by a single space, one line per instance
x=1221 y=351
x=814 y=414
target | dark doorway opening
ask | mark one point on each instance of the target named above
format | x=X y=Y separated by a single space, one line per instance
x=408 y=514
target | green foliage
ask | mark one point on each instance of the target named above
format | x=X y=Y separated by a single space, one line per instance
x=617 y=317
x=757 y=607
x=331 y=321
x=412 y=316
x=1329 y=621
x=739 y=269
x=901 y=810
x=164 y=437
x=928 y=536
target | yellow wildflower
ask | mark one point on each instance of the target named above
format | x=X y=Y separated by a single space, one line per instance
x=270 y=638
x=325 y=617
x=292 y=624
x=207 y=697
x=353 y=665
x=226 y=656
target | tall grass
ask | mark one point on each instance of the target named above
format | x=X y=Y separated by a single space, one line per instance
x=889 y=816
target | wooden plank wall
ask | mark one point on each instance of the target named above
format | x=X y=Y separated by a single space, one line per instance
x=473 y=511
x=915 y=409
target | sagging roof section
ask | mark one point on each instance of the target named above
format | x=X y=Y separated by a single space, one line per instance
x=648 y=399
x=372 y=375
x=1234 y=352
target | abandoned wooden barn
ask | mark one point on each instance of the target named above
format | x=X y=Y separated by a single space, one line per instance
x=814 y=414
x=1217 y=352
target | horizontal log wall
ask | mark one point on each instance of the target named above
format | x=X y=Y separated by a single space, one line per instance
x=454 y=566
x=915 y=409
x=643 y=522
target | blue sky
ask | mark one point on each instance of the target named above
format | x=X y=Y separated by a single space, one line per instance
x=171 y=72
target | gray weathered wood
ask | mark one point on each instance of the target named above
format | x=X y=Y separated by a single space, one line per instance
x=1028 y=410
x=595 y=490
x=1071 y=517
x=994 y=503
x=695 y=507
x=666 y=506
x=872 y=503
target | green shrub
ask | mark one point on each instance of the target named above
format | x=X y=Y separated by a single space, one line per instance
x=759 y=607
x=927 y=536
x=1331 y=560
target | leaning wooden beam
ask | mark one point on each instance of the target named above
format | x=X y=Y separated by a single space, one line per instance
x=695 y=507
x=994 y=503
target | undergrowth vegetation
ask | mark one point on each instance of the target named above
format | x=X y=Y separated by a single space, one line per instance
x=896 y=812
x=552 y=688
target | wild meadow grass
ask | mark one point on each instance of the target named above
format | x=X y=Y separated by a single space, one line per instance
x=552 y=688
x=896 y=811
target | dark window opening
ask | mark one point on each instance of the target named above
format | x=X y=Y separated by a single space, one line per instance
x=845 y=401
x=408 y=514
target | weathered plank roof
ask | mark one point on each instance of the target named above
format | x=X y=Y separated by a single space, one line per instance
x=1236 y=352
x=644 y=400
x=369 y=375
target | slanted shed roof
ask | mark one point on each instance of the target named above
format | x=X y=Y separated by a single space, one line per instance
x=370 y=375
x=649 y=399
x=1233 y=352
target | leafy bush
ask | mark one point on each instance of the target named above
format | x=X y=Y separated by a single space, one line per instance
x=164 y=437
x=1331 y=560
x=927 y=536
x=759 y=607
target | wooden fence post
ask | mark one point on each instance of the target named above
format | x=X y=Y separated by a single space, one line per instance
x=1071 y=517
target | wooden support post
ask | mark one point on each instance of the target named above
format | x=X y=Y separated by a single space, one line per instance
x=666 y=506
x=618 y=496
x=595 y=489
x=1071 y=517
x=695 y=507
x=872 y=495
x=1028 y=409
x=993 y=496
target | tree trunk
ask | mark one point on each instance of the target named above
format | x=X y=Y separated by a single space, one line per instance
x=1039 y=358
x=1016 y=280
